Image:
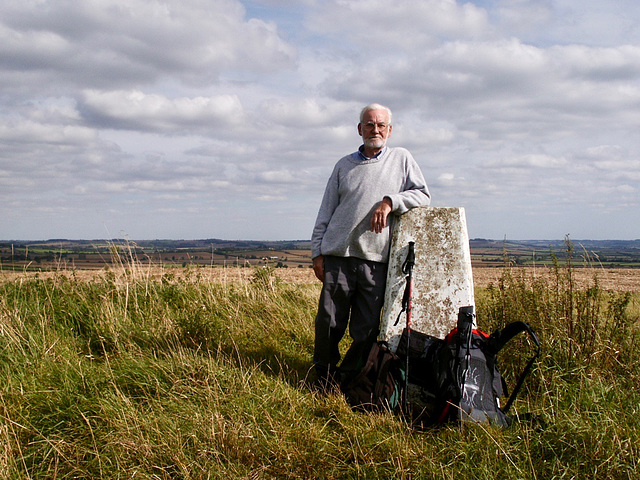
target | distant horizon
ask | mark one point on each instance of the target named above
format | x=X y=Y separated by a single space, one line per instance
x=202 y=239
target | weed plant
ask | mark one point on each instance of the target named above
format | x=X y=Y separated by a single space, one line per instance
x=126 y=376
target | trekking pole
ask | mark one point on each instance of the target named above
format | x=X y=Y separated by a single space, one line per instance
x=407 y=269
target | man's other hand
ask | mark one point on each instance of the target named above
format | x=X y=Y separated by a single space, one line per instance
x=318 y=267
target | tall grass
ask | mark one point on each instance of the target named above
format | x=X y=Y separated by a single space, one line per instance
x=130 y=376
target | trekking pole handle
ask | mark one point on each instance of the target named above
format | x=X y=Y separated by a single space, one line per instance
x=410 y=261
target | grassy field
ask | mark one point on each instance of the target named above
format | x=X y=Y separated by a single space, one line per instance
x=128 y=374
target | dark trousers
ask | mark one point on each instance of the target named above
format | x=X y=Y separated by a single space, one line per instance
x=352 y=295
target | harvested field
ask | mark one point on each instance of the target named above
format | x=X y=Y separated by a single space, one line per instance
x=622 y=279
x=627 y=279
x=618 y=279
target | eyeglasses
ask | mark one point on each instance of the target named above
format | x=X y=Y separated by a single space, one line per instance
x=371 y=126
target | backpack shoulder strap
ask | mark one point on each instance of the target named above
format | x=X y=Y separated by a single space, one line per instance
x=500 y=338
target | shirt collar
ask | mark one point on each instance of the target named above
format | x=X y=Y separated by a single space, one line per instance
x=363 y=157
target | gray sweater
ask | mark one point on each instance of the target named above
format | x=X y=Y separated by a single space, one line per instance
x=353 y=192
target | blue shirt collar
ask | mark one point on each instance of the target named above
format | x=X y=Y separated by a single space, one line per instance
x=363 y=157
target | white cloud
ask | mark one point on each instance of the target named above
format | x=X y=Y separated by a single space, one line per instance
x=378 y=26
x=528 y=161
x=305 y=112
x=546 y=22
x=34 y=132
x=97 y=43
x=524 y=15
x=137 y=110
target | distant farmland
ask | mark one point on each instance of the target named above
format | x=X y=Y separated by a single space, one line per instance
x=69 y=254
x=98 y=254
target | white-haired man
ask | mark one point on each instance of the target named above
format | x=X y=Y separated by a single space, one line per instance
x=352 y=234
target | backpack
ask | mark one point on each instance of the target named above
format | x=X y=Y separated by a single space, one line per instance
x=376 y=384
x=458 y=376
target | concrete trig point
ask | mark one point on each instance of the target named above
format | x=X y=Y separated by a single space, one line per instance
x=442 y=276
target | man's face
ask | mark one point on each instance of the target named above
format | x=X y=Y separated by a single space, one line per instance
x=375 y=129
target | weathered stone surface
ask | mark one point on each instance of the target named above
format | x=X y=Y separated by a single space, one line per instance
x=442 y=276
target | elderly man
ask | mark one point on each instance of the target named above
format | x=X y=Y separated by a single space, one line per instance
x=352 y=234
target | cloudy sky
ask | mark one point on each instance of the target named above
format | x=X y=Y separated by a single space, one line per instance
x=190 y=119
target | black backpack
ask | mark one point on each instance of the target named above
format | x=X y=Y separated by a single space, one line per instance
x=458 y=376
x=376 y=382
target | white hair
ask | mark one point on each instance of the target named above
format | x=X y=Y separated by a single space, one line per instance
x=375 y=106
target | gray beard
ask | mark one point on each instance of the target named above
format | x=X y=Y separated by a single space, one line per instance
x=375 y=143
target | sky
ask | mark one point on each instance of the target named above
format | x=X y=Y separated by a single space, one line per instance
x=195 y=119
